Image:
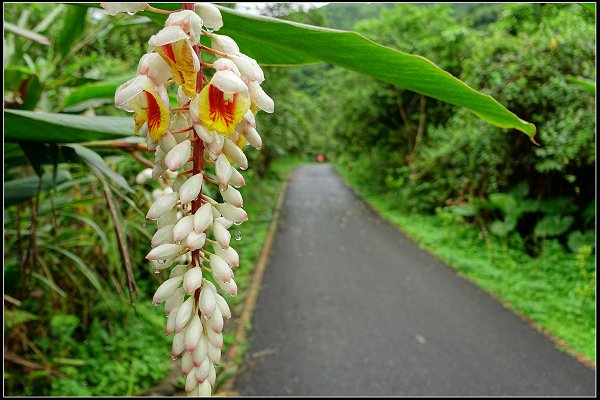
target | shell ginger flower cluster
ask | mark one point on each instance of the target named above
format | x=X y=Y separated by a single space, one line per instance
x=197 y=143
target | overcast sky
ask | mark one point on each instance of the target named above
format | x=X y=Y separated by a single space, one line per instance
x=254 y=8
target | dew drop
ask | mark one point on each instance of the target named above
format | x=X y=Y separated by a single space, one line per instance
x=238 y=235
x=156 y=271
x=228 y=317
x=210 y=30
x=223 y=188
x=258 y=148
x=237 y=223
x=175 y=358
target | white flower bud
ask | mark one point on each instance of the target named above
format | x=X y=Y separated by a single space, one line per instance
x=225 y=222
x=260 y=98
x=225 y=64
x=236 y=154
x=183 y=228
x=204 y=389
x=157 y=69
x=212 y=375
x=174 y=301
x=222 y=235
x=229 y=254
x=224 y=44
x=178 y=344
x=157 y=171
x=201 y=352
x=220 y=269
x=171 y=321
x=180 y=180
x=236 y=180
x=249 y=68
x=169 y=34
x=181 y=97
x=189 y=21
x=216 y=321
x=167 y=288
x=192 y=334
x=233 y=197
x=190 y=381
x=211 y=16
x=167 y=143
x=229 y=287
x=179 y=270
x=195 y=241
x=191 y=188
x=223 y=170
x=192 y=279
x=229 y=82
x=214 y=340
x=162 y=264
x=203 y=369
x=223 y=306
x=162 y=205
x=162 y=236
x=203 y=133
x=168 y=218
x=130 y=8
x=164 y=251
x=203 y=218
x=254 y=138
x=235 y=214
x=215 y=212
x=184 y=314
x=186 y=363
x=143 y=176
x=207 y=301
x=216 y=144
x=179 y=155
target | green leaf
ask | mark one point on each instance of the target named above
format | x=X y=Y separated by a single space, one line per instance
x=93 y=93
x=31 y=126
x=72 y=29
x=589 y=6
x=553 y=225
x=558 y=205
x=18 y=190
x=26 y=33
x=92 y=158
x=584 y=83
x=273 y=41
x=576 y=240
x=464 y=210
x=505 y=202
x=502 y=228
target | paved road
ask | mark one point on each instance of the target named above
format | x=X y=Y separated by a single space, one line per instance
x=350 y=306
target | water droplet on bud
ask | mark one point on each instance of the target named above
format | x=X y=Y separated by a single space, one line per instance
x=130 y=13
x=156 y=271
x=238 y=235
x=237 y=223
x=223 y=188
x=175 y=358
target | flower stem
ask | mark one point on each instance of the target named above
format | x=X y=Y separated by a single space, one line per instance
x=158 y=10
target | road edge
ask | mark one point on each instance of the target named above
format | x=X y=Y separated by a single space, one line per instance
x=559 y=343
x=251 y=299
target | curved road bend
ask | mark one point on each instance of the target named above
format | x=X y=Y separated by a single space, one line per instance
x=350 y=306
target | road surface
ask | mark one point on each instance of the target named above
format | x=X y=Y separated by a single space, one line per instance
x=350 y=306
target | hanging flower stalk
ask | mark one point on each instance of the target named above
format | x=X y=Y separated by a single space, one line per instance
x=197 y=143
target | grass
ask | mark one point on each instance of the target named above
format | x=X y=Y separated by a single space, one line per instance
x=556 y=289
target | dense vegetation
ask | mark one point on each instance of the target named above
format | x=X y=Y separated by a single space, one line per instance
x=515 y=217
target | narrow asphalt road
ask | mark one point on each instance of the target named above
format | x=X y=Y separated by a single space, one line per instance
x=350 y=306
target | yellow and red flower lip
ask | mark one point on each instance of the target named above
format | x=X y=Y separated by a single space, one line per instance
x=173 y=45
x=149 y=103
x=221 y=105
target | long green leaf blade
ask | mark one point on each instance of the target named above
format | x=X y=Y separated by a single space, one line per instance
x=273 y=41
x=31 y=126
x=18 y=190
